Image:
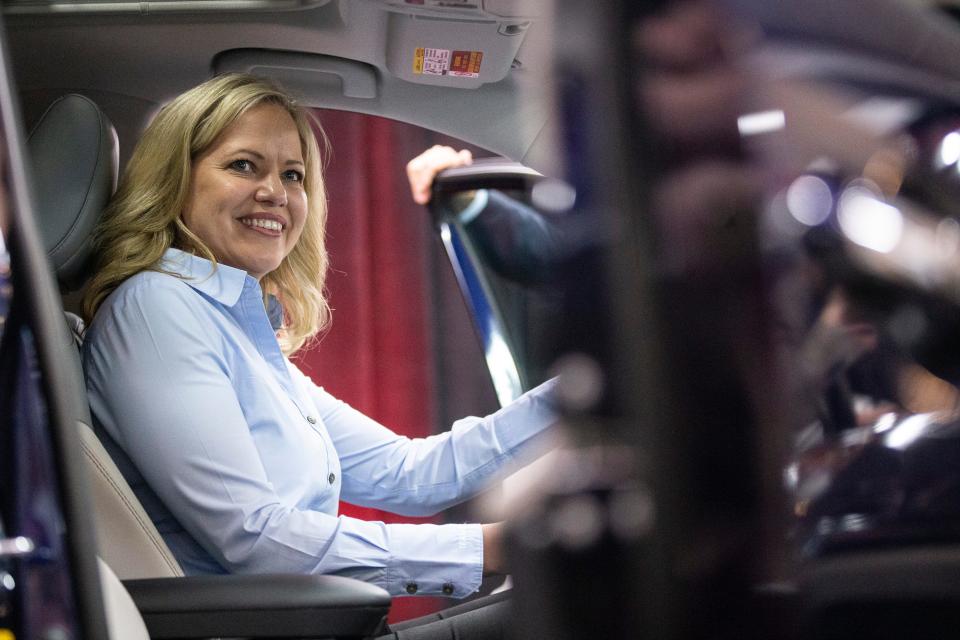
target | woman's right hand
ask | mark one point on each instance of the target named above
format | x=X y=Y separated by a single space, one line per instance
x=424 y=168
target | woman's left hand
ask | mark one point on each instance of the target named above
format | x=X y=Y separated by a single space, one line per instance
x=424 y=168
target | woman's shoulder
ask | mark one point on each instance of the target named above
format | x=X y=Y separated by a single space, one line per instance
x=148 y=293
x=152 y=284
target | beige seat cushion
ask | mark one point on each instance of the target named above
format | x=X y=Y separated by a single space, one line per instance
x=128 y=541
x=123 y=620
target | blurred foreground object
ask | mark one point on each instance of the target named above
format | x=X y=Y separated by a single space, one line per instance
x=777 y=274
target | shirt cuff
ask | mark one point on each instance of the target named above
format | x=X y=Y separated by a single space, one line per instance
x=473 y=209
x=431 y=559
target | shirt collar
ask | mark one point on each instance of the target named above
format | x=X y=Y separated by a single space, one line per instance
x=220 y=282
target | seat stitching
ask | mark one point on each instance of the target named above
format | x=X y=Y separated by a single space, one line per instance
x=106 y=474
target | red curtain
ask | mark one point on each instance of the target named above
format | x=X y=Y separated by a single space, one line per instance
x=401 y=348
x=377 y=355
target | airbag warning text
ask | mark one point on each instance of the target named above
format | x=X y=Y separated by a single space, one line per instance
x=441 y=62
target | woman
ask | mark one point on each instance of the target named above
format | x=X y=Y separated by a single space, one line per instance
x=222 y=208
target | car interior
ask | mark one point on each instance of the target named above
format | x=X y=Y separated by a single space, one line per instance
x=760 y=406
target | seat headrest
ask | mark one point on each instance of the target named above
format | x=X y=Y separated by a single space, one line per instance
x=75 y=157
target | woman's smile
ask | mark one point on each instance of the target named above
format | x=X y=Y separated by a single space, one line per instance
x=267 y=225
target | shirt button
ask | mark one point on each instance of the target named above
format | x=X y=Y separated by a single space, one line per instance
x=412 y=588
x=447 y=589
x=311 y=420
x=331 y=478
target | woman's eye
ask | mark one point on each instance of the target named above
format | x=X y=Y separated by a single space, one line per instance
x=293 y=176
x=241 y=165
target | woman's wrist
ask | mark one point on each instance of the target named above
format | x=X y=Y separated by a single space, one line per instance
x=493 y=549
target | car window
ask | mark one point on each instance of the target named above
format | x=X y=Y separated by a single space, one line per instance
x=398 y=318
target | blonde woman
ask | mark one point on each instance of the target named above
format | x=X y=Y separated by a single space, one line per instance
x=220 y=214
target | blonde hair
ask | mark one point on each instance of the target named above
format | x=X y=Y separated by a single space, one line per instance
x=143 y=219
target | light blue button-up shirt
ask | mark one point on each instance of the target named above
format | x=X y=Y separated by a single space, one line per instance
x=251 y=458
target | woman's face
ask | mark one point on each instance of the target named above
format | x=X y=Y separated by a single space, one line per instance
x=246 y=199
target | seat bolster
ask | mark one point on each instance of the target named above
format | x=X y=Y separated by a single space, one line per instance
x=128 y=541
x=123 y=619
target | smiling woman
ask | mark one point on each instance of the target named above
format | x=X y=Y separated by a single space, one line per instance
x=243 y=458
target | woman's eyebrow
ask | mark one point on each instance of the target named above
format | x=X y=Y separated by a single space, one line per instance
x=260 y=156
x=251 y=152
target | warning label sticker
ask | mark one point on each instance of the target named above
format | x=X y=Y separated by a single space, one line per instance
x=431 y=62
x=441 y=62
x=466 y=64
x=458 y=4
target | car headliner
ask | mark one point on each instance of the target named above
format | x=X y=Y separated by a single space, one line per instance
x=131 y=64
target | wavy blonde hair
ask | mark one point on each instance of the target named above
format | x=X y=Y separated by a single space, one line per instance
x=143 y=220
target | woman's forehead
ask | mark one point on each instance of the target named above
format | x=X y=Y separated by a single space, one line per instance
x=265 y=126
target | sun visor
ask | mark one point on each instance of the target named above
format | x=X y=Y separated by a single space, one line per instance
x=465 y=48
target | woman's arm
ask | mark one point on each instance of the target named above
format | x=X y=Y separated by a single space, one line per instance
x=160 y=382
x=421 y=476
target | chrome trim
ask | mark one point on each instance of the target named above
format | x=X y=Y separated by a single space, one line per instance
x=501 y=362
x=489 y=168
x=155 y=6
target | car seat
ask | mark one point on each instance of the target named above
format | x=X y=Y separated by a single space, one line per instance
x=74 y=147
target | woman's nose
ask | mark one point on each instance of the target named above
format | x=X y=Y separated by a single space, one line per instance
x=271 y=190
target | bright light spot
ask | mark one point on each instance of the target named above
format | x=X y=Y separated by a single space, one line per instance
x=905 y=433
x=854 y=522
x=885 y=422
x=753 y=124
x=809 y=200
x=950 y=149
x=555 y=196
x=503 y=370
x=578 y=521
x=580 y=384
x=884 y=116
x=23 y=545
x=8 y=582
x=791 y=476
x=868 y=222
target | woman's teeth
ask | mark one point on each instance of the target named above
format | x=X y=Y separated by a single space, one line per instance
x=272 y=225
